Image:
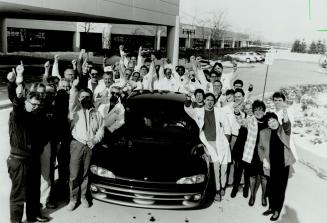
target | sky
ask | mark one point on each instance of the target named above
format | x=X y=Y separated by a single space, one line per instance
x=270 y=20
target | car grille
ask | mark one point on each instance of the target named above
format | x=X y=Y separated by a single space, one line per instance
x=167 y=197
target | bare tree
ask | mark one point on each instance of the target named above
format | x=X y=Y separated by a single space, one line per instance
x=213 y=25
x=218 y=24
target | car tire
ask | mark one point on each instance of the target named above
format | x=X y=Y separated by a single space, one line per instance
x=210 y=194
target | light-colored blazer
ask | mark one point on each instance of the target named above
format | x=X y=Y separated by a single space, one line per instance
x=222 y=152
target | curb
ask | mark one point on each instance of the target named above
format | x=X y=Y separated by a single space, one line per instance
x=315 y=162
x=5 y=104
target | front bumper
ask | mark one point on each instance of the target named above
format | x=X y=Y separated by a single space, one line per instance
x=149 y=194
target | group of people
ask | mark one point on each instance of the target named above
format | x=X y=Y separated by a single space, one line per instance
x=242 y=139
x=57 y=122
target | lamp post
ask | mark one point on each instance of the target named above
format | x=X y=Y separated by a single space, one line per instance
x=212 y=36
x=189 y=30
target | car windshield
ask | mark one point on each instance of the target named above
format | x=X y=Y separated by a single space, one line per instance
x=166 y=117
x=161 y=120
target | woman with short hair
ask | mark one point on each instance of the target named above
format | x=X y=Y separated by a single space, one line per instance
x=277 y=157
x=254 y=125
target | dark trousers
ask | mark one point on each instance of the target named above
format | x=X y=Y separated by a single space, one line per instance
x=80 y=158
x=63 y=157
x=239 y=168
x=231 y=167
x=25 y=178
x=277 y=184
x=17 y=170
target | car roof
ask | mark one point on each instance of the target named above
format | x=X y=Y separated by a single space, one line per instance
x=157 y=95
x=156 y=101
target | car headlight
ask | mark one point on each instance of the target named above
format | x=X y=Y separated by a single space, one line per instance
x=196 y=179
x=102 y=172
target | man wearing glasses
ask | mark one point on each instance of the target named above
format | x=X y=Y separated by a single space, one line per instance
x=94 y=79
x=27 y=134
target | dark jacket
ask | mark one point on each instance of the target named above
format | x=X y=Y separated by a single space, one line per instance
x=27 y=132
x=62 y=125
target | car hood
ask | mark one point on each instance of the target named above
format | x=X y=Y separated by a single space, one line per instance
x=150 y=159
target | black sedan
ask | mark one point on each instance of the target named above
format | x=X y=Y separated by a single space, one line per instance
x=155 y=160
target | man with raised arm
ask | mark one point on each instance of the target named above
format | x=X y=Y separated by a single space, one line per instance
x=168 y=80
x=87 y=131
x=27 y=139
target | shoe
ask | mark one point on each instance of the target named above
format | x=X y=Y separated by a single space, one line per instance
x=218 y=196
x=50 y=205
x=264 y=201
x=245 y=192
x=39 y=218
x=275 y=216
x=85 y=203
x=233 y=194
x=71 y=206
x=251 y=201
x=268 y=212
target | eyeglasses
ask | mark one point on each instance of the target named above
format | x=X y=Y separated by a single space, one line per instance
x=94 y=74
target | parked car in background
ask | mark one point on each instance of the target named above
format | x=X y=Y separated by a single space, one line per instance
x=156 y=159
x=205 y=64
x=259 y=56
x=247 y=57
